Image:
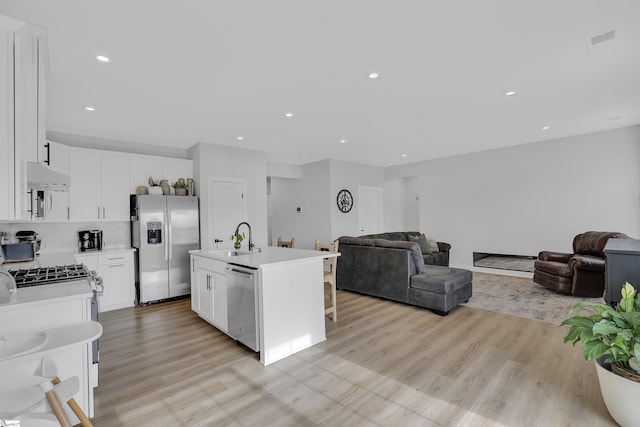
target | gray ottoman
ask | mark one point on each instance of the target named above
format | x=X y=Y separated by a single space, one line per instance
x=440 y=288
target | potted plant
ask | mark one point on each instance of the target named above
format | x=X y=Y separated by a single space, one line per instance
x=611 y=337
x=238 y=240
x=180 y=188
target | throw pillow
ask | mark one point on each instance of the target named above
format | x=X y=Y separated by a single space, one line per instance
x=422 y=241
x=433 y=245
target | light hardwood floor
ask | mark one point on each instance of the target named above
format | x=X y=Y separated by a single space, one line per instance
x=383 y=364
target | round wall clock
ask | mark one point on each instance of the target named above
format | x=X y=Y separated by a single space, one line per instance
x=344 y=201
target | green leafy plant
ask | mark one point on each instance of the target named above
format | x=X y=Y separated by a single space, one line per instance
x=179 y=184
x=237 y=237
x=608 y=331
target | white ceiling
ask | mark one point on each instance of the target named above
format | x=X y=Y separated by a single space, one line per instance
x=190 y=71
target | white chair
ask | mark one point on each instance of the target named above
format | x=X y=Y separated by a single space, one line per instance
x=38 y=399
x=330 y=265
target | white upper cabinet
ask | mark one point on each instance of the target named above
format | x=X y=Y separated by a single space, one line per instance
x=99 y=186
x=143 y=167
x=6 y=121
x=23 y=71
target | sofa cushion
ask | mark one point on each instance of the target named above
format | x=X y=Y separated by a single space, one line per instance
x=441 y=280
x=559 y=269
x=412 y=247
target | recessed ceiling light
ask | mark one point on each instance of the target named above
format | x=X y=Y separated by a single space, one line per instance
x=343 y=141
x=90 y=108
x=102 y=58
x=545 y=127
x=288 y=114
x=374 y=75
x=404 y=155
x=240 y=138
x=510 y=93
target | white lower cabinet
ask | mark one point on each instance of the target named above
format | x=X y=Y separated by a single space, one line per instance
x=209 y=291
x=116 y=269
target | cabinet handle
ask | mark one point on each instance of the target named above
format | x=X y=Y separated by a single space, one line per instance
x=116 y=265
x=98 y=212
x=48 y=147
x=112 y=259
x=193 y=265
x=68 y=212
x=104 y=216
x=208 y=282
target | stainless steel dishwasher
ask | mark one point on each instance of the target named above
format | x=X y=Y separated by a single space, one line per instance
x=242 y=309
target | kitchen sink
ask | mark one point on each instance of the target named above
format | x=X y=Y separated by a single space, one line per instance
x=231 y=253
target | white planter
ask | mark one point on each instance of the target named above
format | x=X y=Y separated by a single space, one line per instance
x=620 y=396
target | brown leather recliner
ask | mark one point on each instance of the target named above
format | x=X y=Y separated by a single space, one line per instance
x=580 y=273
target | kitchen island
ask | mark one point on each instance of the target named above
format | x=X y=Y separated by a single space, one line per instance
x=287 y=298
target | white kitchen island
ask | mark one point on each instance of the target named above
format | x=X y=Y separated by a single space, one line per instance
x=289 y=295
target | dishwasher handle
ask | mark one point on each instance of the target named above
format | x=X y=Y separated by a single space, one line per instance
x=232 y=270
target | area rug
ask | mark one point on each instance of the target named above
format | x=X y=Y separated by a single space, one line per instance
x=520 y=296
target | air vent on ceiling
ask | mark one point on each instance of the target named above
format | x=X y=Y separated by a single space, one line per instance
x=601 y=38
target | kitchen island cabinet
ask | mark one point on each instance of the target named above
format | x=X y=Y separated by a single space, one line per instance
x=209 y=290
x=289 y=297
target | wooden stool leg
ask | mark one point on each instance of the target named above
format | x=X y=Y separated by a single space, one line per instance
x=334 y=316
x=76 y=408
x=57 y=408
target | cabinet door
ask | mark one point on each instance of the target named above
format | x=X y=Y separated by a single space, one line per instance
x=84 y=194
x=141 y=168
x=115 y=188
x=195 y=300
x=205 y=301
x=172 y=169
x=219 y=285
x=6 y=123
x=57 y=157
x=118 y=286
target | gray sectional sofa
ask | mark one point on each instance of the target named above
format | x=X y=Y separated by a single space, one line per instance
x=390 y=266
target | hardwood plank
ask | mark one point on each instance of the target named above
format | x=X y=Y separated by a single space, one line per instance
x=383 y=363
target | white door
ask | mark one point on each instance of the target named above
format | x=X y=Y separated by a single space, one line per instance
x=370 y=210
x=227 y=209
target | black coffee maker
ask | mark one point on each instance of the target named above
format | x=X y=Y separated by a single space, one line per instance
x=90 y=240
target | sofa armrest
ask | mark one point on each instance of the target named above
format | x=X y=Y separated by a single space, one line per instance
x=554 y=256
x=444 y=247
x=586 y=262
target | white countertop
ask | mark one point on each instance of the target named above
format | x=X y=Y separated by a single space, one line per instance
x=265 y=256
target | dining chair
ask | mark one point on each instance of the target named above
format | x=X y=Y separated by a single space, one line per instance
x=286 y=244
x=330 y=265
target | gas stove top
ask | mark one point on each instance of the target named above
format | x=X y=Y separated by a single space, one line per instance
x=47 y=275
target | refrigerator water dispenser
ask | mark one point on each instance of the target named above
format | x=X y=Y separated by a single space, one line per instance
x=154 y=233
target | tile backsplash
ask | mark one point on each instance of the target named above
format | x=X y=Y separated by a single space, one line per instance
x=63 y=237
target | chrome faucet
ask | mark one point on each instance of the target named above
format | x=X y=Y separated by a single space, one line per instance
x=251 y=245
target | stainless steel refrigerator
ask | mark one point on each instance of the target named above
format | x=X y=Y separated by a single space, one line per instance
x=163 y=230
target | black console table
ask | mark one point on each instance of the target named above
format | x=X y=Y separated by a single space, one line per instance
x=622 y=264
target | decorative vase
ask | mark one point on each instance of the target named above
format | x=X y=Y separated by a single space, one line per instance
x=236 y=245
x=155 y=190
x=166 y=189
x=620 y=395
x=181 y=191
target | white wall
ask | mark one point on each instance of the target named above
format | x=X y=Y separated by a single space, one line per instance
x=315 y=193
x=401 y=209
x=350 y=176
x=531 y=197
x=222 y=161
x=310 y=194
